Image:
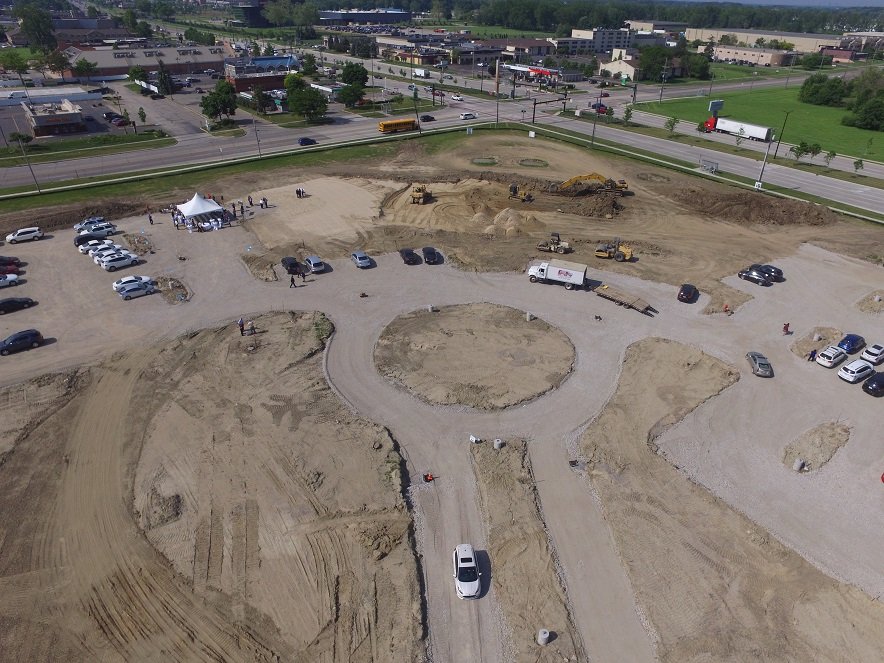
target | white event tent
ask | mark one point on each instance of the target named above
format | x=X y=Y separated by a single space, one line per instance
x=199 y=208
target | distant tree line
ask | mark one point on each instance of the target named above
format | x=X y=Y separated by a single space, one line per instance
x=863 y=96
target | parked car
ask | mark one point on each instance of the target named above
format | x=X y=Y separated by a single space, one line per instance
x=306 y=141
x=79 y=240
x=133 y=290
x=110 y=115
x=755 y=277
x=467 y=579
x=760 y=365
x=15 y=304
x=120 y=122
x=114 y=262
x=24 y=234
x=467 y=116
x=102 y=251
x=772 y=273
x=95 y=245
x=605 y=94
x=9 y=269
x=89 y=221
x=8 y=279
x=855 y=371
x=291 y=265
x=456 y=97
x=874 y=385
x=831 y=356
x=852 y=343
x=157 y=95
x=431 y=256
x=315 y=264
x=874 y=354
x=23 y=340
x=360 y=259
x=687 y=293
x=427 y=118
x=122 y=283
x=9 y=260
x=409 y=257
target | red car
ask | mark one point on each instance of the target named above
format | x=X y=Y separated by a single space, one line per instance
x=9 y=269
x=606 y=94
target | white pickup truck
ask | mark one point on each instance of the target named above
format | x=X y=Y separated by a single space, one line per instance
x=572 y=274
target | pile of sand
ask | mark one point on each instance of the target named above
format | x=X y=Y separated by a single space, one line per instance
x=748 y=207
x=817 y=445
x=827 y=336
x=483 y=356
x=868 y=304
x=512 y=223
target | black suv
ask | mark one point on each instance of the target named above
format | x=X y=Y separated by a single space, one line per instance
x=874 y=385
x=750 y=274
x=291 y=265
x=11 y=304
x=23 y=340
x=431 y=256
x=409 y=257
x=772 y=273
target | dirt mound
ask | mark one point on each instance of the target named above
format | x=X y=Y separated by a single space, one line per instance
x=749 y=207
x=511 y=223
x=479 y=355
x=872 y=303
x=827 y=336
x=816 y=446
x=65 y=216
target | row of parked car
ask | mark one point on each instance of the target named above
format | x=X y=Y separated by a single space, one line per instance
x=858 y=370
x=315 y=265
x=764 y=275
x=10 y=269
x=93 y=239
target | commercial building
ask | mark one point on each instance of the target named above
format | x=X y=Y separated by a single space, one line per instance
x=268 y=73
x=53 y=119
x=364 y=16
x=114 y=64
x=803 y=42
x=867 y=42
x=843 y=55
x=762 y=57
x=14 y=96
x=604 y=40
x=75 y=31
x=671 y=29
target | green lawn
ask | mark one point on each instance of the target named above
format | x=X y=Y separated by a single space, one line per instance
x=74 y=148
x=814 y=124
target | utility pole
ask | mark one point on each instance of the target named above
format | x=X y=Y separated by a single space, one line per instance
x=663 y=78
x=24 y=153
x=780 y=137
x=257 y=140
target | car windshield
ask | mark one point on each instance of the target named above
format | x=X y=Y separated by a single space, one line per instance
x=468 y=574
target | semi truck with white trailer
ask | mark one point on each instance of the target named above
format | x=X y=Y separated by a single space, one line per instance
x=421 y=73
x=571 y=274
x=751 y=131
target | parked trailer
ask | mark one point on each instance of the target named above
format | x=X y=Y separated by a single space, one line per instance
x=572 y=274
x=751 y=131
x=624 y=299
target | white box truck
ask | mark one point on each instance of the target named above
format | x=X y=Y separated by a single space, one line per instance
x=421 y=73
x=572 y=274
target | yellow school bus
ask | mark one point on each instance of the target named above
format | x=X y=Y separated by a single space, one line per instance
x=391 y=126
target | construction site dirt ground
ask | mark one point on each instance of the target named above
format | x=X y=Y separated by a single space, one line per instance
x=171 y=490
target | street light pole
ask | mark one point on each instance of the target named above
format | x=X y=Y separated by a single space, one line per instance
x=763 y=164
x=257 y=140
x=24 y=153
x=780 y=137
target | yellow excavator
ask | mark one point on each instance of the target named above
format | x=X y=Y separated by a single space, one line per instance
x=420 y=194
x=592 y=183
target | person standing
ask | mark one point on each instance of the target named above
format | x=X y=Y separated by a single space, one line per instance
x=150 y=218
x=785 y=329
x=292 y=282
x=242 y=325
x=251 y=204
x=242 y=210
x=811 y=356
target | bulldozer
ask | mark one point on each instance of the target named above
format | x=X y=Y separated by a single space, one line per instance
x=617 y=250
x=521 y=194
x=554 y=244
x=592 y=183
x=420 y=194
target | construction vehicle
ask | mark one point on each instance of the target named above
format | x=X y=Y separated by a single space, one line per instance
x=616 y=250
x=419 y=194
x=572 y=274
x=554 y=244
x=624 y=299
x=521 y=194
x=581 y=185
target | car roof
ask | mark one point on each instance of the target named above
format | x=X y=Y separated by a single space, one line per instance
x=851 y=337
x=314 y=258
x=21 y=230
x=856 y=364
x=465 y=550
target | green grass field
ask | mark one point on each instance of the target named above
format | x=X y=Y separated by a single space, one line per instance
x=814 y=124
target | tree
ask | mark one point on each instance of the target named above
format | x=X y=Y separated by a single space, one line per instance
x=56 y=62
x=137 y=73
x=869 y=115
x=256 y=49
x=728 y=40
x=36 y=24
x=143 y=30
x=308 y=65
x=627 y=115
x=92 y=11
x=164 y=79
x=609 y=115
x=309 y=103
x=294 y=83
x=822 y=90
x=304 y=17
x=279 y=12
x=815 y=60
x=14 y=61
x=354 y=74
x=740 y=137
x=857 y=166
x=350 y=95
x=701 y=127
x=17 y=137
x=130 y=19
x=652 y=60
x=828 y=158
x=262 y=100
x=268 y=50
x=142 y=115
x=227 y=95
x=84 y=68
x=670 y=125
x=814 y=149
x=800 y=150
x=211 y=106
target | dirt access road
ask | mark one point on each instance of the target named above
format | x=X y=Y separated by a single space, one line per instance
x=674 y=245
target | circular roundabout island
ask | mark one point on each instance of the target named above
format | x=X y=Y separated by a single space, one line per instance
x=483 y=356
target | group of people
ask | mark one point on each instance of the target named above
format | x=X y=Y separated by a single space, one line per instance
x=300 y=193
x=245 y=327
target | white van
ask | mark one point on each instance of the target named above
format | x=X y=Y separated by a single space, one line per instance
x=467 y=116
